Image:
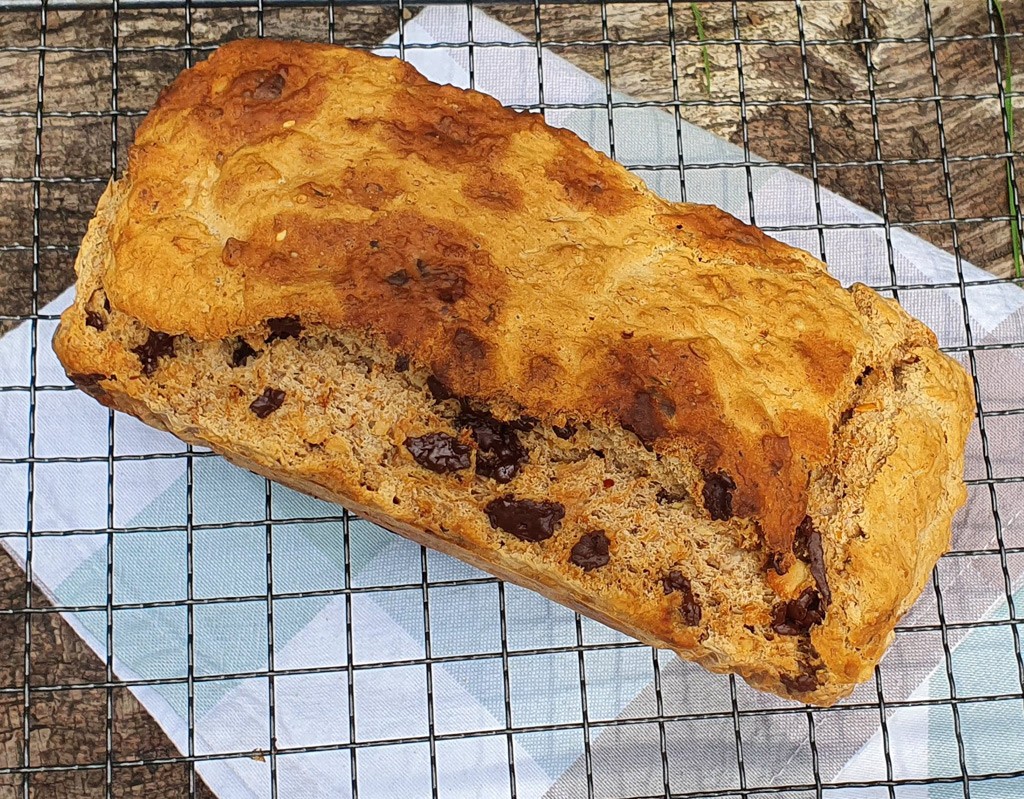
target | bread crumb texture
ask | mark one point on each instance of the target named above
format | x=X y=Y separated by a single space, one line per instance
x=473 y=329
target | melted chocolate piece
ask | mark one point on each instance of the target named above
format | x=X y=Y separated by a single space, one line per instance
x=402 y=363
x=526 y=519
x=284 y=327
x=501 y=454
x=797 y=616
x=802 y=683
x=439 y=452
x=469 y=346
x=87 y=381
x=666 y=497
x=689 y=610
x=644 y=416
x=270 y=88
x=451 y=289
x=674 y=581
x=807 y=546
x=95 y=320
x=439 y=390
x=242 y=353
x=718 y=488
x=157 y=346
x=399 y=278
x=267 y=402
x=775 y=562
x=591 y=551
x=525 y=424
x=566 y=432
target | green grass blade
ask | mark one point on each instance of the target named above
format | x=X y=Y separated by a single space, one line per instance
x=698 y=20
x=1018 y=258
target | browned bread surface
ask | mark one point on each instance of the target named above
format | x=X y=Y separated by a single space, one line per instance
x=726 y=452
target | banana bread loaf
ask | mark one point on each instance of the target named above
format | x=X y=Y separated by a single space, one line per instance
x=470 y=328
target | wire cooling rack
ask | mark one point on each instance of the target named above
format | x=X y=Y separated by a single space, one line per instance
x=734 y=757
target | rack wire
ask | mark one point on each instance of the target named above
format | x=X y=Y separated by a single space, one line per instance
x=745 y=716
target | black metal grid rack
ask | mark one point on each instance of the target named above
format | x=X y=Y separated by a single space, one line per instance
x=742 y=716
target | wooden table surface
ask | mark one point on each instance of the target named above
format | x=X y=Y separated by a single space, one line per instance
x=70 y=726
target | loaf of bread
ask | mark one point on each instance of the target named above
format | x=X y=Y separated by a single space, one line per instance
x=469 y=327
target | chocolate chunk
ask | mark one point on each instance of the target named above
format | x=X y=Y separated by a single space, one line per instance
x=87 y=381
x=439 y=452
x=451 y=290
x=666 y=497
x=675 y=581
x=797 y=616
x=468 y=345
x=807 y=546
x=439 y=390
x=284 y=327
x=689 y=609
x=402 y=363
x=591 y=551
x=95 y=320
x=897 y=376
x=776 y=562
x=802 y=683
x=399 y=278
x=718 y=488
x=864 y=375
x=242 y=353
x=644 y=416
x=267 y=402
x=502 y=463
x=270 y=88
x=501 y=454
x=157 y=346
x=566 y=432
x=524 y=424
x=526 y=519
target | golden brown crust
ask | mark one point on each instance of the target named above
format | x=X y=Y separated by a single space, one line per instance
x=368 y=213
x=538 y=278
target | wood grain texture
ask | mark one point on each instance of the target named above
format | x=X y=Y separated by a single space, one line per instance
x=68 y=726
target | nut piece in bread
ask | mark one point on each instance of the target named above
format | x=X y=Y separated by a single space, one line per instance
x=471 y=328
